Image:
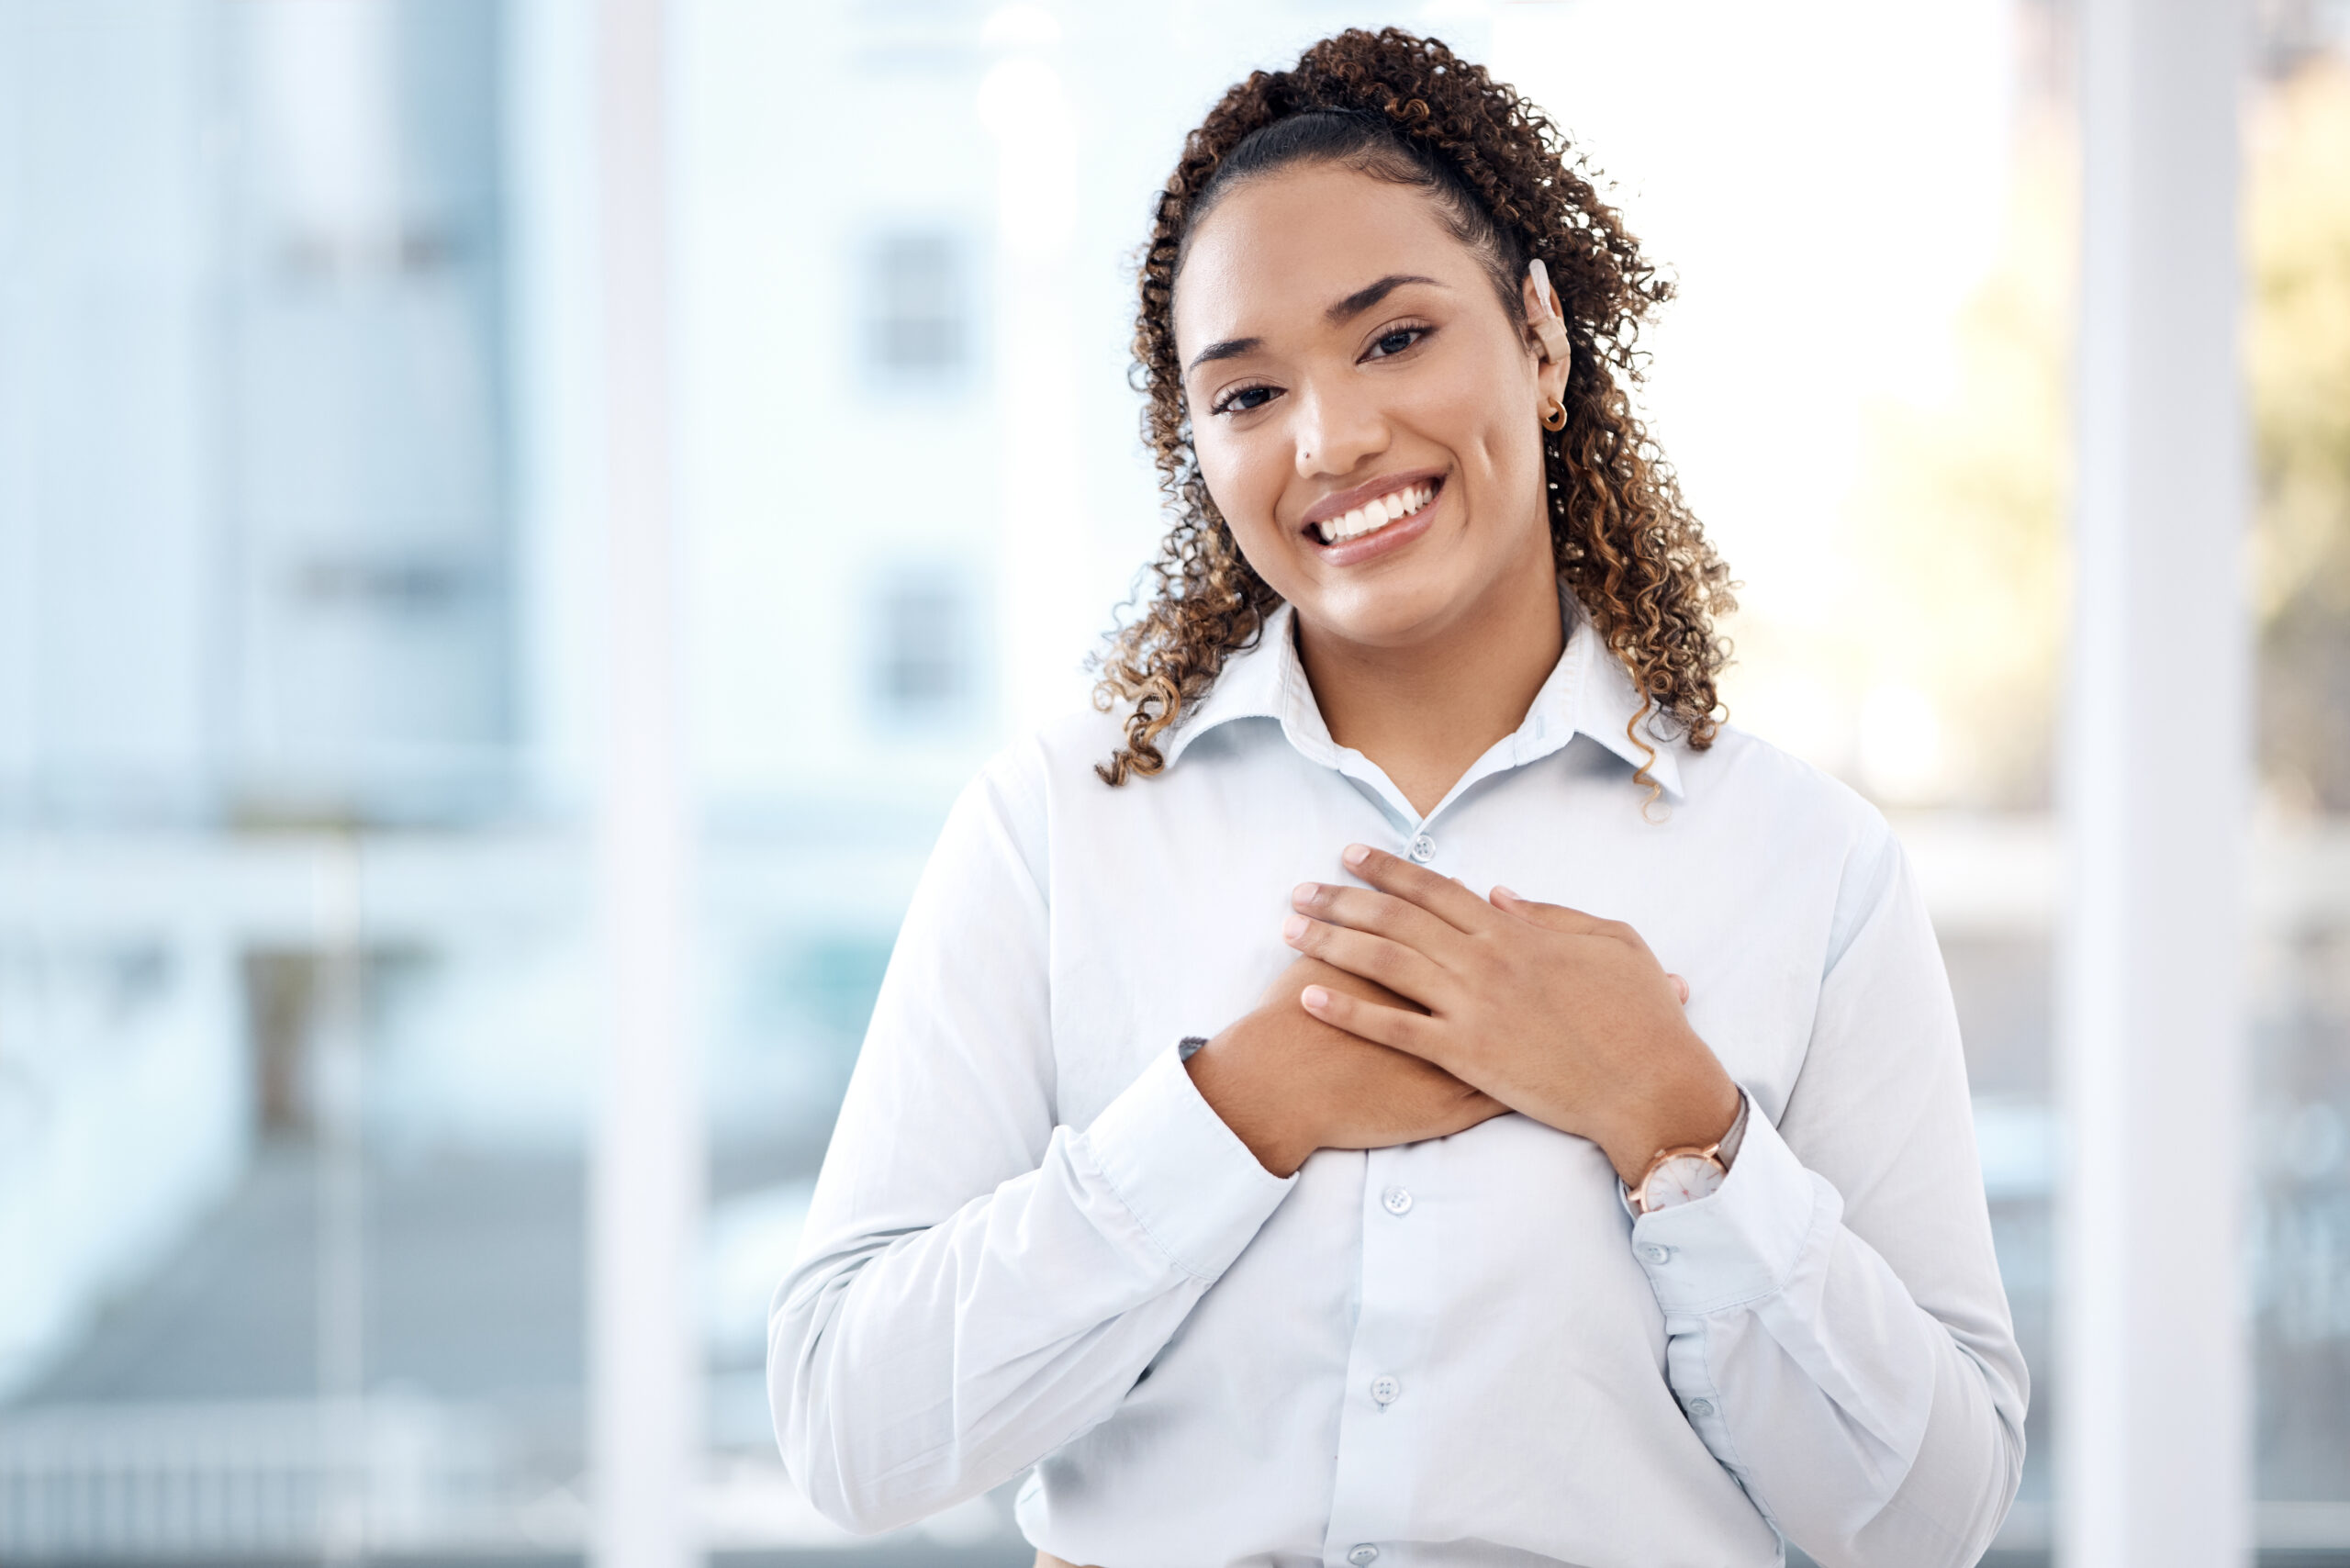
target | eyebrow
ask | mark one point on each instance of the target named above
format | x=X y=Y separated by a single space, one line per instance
x=1362 y=299
x=1346 y=309
x=1231 y=348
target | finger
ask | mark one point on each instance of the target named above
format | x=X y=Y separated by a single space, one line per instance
x=1391 y=1026
x=1680 y=986
x=1368 y=909
x=1571 y=922
x=1550 y=916
x=1308 y=971
x=1408 y=972
x=1440 y=896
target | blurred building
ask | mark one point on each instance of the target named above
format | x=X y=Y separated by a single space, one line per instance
x=300 y=464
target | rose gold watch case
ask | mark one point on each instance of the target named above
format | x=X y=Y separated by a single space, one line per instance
x=1711 y=1153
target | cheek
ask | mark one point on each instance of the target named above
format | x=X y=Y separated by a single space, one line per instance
x=1516 y=457
x=1499 y=453
x=1246 y=478
x=1461 y=405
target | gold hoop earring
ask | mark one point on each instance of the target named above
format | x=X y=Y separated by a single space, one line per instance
x=1554 y=418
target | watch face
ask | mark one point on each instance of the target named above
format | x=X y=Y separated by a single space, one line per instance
x=1681 y=1180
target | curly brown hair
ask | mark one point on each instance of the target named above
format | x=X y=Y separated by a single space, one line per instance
x=1406 y=108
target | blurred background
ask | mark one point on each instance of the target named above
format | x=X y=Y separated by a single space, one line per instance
x=303 y=635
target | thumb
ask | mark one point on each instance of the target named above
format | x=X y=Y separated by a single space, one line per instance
x=1680 y=986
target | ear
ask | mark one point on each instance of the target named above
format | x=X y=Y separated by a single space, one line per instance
x=1546 y=330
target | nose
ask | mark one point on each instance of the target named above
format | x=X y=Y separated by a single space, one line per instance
x=1335 y=432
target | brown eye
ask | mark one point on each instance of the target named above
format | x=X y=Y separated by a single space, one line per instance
x=1396 y=341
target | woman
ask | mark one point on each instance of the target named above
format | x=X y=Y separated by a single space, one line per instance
x=1232 y=1145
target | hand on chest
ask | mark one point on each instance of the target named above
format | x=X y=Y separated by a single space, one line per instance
x=1187 y=937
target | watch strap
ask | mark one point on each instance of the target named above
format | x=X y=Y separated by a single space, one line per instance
x=1727 y=1150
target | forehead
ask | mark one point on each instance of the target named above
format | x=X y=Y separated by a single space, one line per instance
x=1275 y=253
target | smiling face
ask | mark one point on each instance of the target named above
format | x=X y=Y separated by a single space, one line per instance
x=1364 y=410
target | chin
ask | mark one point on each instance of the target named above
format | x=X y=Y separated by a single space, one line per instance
x=1385 y=615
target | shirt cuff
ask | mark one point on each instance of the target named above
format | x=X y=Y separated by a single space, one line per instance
x=1742 y=1241
x=1189 y=1180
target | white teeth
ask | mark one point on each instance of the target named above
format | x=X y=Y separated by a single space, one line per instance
x=1376 y=515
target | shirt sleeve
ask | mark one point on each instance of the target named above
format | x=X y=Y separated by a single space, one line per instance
x=977 y=1284
x=1836 y=1327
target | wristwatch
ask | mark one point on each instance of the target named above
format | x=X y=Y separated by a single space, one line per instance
x=1684 y=1175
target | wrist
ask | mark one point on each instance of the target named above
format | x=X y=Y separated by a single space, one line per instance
x=1229 y=1077
x=1694 y=1109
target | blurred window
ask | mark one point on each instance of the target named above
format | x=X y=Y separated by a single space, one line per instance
x=917 y=325
x=365 y=503
x=922 y=669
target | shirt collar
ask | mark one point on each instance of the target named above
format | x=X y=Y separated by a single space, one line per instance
x=1589 y=692
x=1262 y=681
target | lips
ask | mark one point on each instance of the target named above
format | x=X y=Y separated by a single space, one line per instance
x=1368 y=515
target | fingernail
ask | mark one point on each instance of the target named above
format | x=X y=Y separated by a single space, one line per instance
x=1500 y=892
x=1306 y=892
x=1293 y=927
x=1356 y=854
x=1315 y=996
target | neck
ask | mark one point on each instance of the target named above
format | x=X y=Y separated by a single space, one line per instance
x=1426 y=710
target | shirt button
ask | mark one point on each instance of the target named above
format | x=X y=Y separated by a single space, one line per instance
x=1654 y=1252
x=1701 y=1408
x=1362 y=1555
x=1397 y=1200
x=1385 y=1388
x=1423 y=849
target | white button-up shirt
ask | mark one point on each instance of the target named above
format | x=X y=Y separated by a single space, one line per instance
x=1034 y=1244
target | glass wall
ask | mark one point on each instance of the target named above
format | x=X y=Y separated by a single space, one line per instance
x=293 y=1019
x=300 y=652
x=2298 y=339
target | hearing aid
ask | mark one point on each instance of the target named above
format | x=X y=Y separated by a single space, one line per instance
x=1549 y=329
